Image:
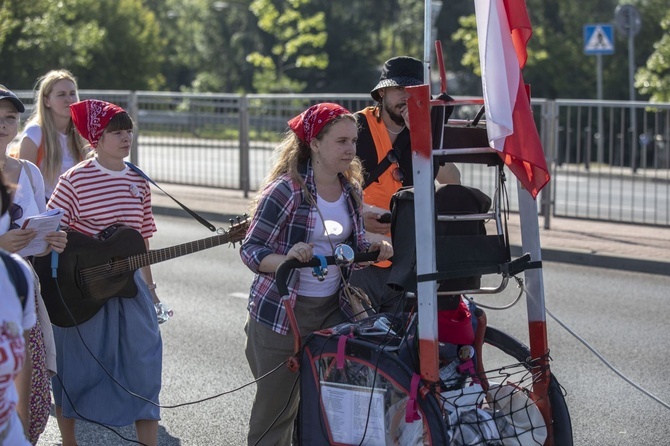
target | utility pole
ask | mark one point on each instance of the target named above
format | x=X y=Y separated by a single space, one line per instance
x=629 y=23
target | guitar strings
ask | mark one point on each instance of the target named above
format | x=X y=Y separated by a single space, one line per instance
x=235 y=233
x=137 y=261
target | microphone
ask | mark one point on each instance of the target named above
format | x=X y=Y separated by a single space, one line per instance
x=54 y=264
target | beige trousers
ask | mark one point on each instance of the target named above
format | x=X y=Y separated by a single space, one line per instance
x=278 y=394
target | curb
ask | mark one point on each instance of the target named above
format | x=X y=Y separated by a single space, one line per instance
x=600 y=261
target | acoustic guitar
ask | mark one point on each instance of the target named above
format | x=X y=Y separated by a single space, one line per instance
x=92 y=270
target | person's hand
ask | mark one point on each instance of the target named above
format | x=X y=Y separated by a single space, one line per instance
x=404 y=112
x=57 y=240
x=301 y=252
x=373 y=225
x=385 y=250
x=15 y=240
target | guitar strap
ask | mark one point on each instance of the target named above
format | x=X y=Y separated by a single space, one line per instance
x=195 y=215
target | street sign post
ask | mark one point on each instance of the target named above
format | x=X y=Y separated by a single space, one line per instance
x=598 y=40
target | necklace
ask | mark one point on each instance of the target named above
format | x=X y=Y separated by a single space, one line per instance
x=395 y=133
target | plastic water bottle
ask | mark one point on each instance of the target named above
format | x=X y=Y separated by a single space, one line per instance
x=163 y=312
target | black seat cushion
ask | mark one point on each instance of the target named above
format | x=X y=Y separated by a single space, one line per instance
x=460 y=245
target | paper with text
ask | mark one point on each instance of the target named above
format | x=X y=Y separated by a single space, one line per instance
x=351 y=412
x=43 y=224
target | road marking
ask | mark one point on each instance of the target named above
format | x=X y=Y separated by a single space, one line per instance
x=238 y=295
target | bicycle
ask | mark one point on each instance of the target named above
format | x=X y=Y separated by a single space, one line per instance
x=372 y=365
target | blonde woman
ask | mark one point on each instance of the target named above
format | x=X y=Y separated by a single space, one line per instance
x=49 y=139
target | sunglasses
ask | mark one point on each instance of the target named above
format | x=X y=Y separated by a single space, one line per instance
x=15 y=214
x=397 y=173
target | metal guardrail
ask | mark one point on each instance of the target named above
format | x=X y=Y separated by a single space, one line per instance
x=609 y=160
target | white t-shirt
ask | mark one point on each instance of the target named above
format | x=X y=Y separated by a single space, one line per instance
x=34 y=133
x=14 y=320
x=338 y=226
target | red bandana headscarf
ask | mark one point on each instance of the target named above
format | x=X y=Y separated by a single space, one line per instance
x=91 y=117
x=309 y=123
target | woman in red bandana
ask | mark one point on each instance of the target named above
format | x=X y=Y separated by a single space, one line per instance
x=310 y=202
x=123 y=335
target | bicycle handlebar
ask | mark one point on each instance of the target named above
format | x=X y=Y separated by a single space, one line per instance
x=284 y=268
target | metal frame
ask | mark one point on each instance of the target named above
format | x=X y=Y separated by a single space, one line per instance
x=420 y=135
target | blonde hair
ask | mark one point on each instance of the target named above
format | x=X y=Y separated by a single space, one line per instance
x=53 y=158
x=291 y=152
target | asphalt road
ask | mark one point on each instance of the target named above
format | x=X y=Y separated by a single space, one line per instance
x=623 y=315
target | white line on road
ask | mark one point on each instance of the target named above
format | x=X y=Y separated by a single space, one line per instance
x=238 y=295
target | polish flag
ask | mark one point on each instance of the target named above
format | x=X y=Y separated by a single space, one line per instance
x=503 y=29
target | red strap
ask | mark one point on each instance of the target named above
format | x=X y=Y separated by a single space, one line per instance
x=412 y=410
x=341 y=343
x=468 y=368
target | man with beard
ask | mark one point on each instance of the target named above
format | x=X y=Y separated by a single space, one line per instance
x=384 y=149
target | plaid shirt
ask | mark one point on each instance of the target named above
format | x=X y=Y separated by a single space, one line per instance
x=282 y=219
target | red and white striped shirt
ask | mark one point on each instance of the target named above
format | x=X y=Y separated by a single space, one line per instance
x=95 y=198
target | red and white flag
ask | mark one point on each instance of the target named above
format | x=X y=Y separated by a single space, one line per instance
x=503 y=30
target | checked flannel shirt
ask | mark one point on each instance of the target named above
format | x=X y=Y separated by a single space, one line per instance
x=282 y=219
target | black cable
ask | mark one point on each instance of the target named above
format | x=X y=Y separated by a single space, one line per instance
x=190 y=403
x=130 y=392
x=93 y=421
x=288 y=401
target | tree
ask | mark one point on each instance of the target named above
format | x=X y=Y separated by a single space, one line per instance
x=294 y=43
x=230 y=35
x=39 y=35
x=357 y=54
x=557 y=65
x=110 y=45
x=654 y=78
x=130 y=55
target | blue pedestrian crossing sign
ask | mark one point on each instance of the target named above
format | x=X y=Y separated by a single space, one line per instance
x=598 y=39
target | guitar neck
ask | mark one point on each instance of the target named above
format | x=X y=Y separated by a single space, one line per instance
x=172 y=252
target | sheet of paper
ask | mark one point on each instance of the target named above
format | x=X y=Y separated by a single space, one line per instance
x=42 y=224
x=350 y=413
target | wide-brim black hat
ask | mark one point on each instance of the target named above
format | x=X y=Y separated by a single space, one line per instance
x=399 y=71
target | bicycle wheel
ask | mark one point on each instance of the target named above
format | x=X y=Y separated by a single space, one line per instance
x=511 y=347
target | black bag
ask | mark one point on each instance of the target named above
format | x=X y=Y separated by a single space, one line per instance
x=461 y=246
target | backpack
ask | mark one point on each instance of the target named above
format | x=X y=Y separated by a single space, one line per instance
x=16 y=276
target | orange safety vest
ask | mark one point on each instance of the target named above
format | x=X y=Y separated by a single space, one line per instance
x=379 y=192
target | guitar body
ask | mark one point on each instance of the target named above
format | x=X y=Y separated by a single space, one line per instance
x=92 y=270
x=93 y=260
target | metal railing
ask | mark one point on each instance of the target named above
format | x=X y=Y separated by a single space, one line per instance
x=609 y=160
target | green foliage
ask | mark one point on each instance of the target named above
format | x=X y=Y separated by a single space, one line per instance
x=467 y=35
x=654 y=78
x=135 y=52
x=111 y=45
x=308 y=45
x=40 y=35
x=296 y=40
x=557 y=65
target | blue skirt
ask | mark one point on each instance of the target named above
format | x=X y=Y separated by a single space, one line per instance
x=125 y=338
